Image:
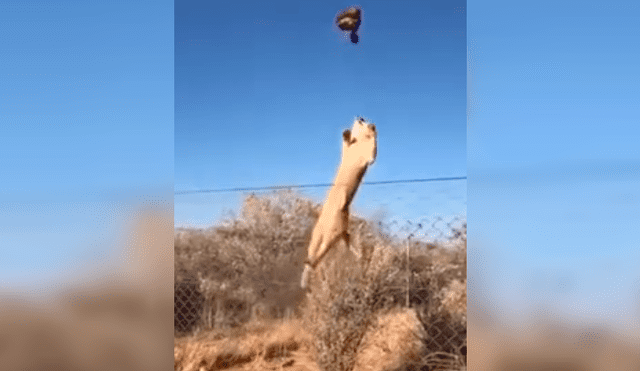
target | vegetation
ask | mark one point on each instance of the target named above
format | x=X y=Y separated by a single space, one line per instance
x=244 y=275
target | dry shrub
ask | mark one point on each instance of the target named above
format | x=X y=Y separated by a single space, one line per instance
x=454 y=300
x=257 y=258
x=339 y=325
x=350 y=302
x=394 y=340
x=342 y=306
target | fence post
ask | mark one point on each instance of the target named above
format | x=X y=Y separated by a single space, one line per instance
x=408 y=268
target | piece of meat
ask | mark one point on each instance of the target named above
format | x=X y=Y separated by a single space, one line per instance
x=349 y=19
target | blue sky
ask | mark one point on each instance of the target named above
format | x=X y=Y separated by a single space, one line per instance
x=86 y=117
x=554 y=160
x=262 y=100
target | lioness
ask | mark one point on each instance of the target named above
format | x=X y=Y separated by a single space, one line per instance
x=359 y=149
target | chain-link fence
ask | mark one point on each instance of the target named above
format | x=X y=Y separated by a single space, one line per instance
x=188 y=306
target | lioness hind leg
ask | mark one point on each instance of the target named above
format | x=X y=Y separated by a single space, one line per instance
x=304 y=282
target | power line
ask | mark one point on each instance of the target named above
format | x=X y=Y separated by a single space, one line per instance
x=315 y=185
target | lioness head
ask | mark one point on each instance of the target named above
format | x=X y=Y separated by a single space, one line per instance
x=360 y=143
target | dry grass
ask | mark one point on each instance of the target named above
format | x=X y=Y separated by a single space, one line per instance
x=271 y=346
x=247 y=272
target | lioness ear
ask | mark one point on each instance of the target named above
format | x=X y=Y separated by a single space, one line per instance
x=346 y=135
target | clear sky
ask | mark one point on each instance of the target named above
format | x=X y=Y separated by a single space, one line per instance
x=263 y=95
x=86 y=126
x=554 y=158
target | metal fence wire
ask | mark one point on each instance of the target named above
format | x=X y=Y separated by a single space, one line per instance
x=188 y=305
x=425 y=285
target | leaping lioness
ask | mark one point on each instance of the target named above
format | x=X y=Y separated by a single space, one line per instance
x=359 y=148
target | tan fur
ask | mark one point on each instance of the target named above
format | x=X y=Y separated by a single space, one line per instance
x=359 y=149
